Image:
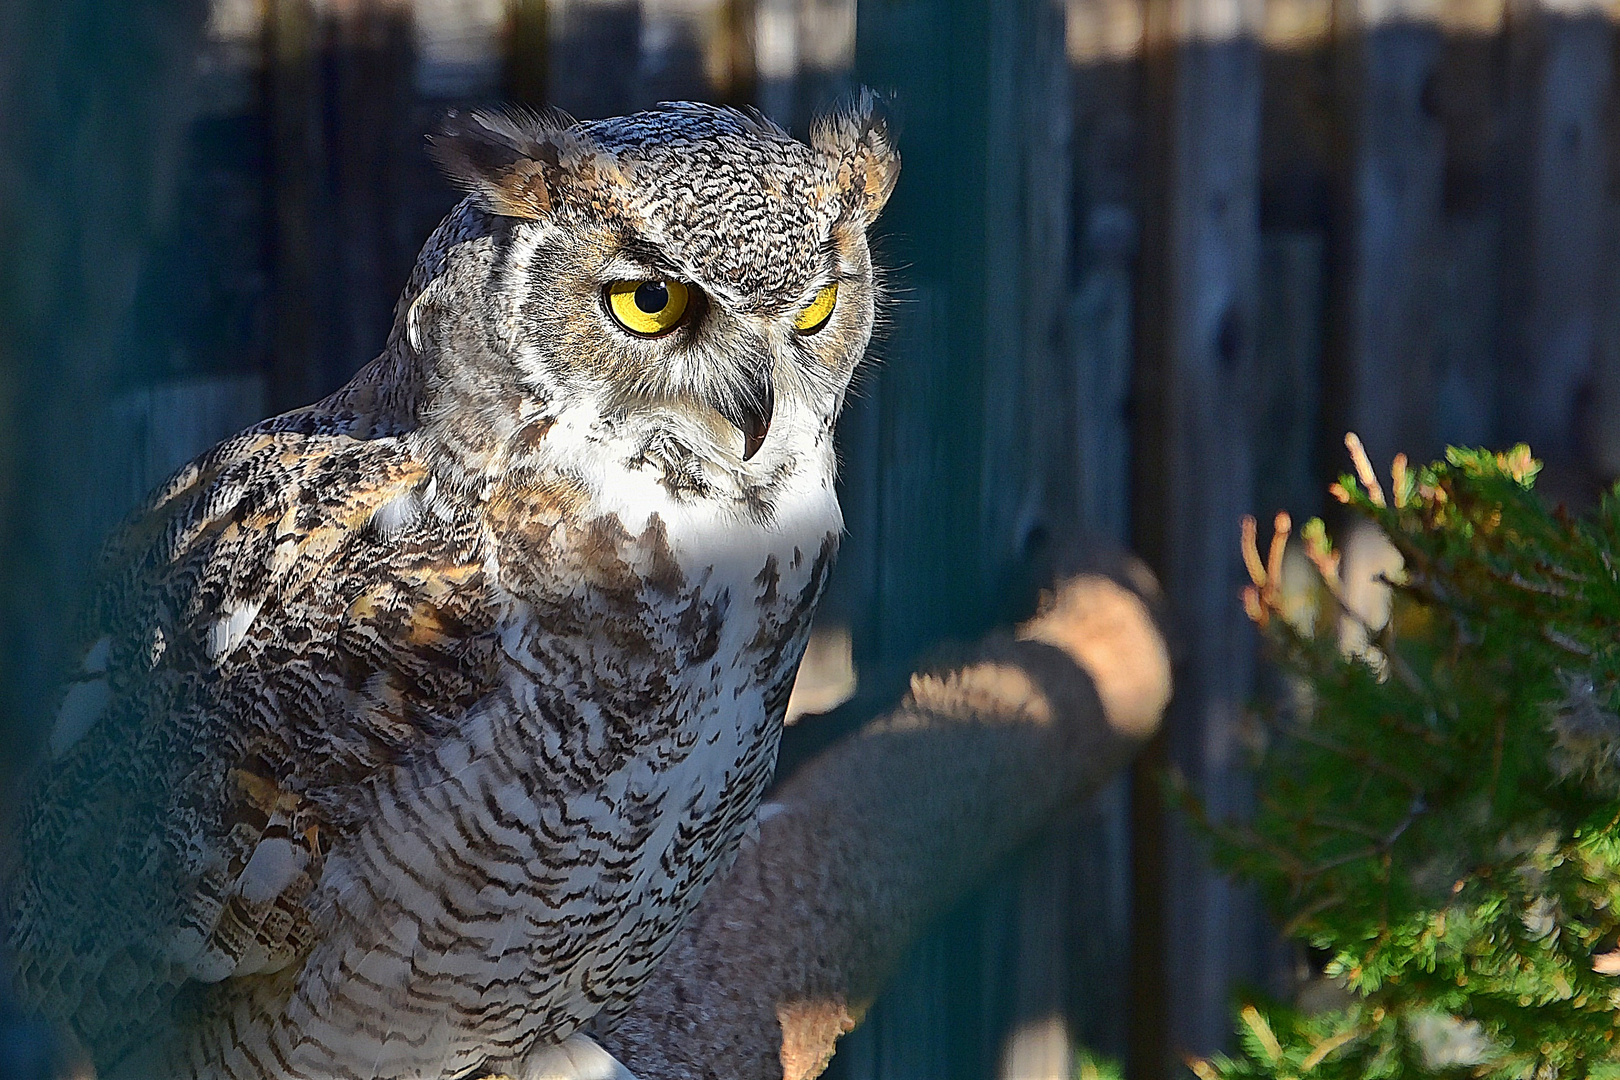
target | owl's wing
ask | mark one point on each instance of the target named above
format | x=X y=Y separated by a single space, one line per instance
x=283 y=618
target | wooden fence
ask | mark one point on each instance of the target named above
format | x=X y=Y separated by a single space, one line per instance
x=1149 y=258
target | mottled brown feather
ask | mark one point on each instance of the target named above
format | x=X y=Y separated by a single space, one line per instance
x=277 y=520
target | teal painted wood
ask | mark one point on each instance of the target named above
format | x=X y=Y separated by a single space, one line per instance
x=928 y=386
x=95 y=108
x=965 y=458
x=925 y=434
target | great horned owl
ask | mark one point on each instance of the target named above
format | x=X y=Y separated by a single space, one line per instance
x=411 y=724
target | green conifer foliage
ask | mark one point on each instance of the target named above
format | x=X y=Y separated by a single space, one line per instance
x=1439 y=811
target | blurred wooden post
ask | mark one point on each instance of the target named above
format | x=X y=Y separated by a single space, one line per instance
x=595 y=46
x=1470 y=104
x=981 y=465
x=913 y=495
x=1104 y=44
x=1562 y=74
x=803 y=54
x=96 y=104
x=1196 y=332
x=525 y=74
x=1299 y=156
x=1603 y=421
x=1033 y=486
x=1287 y=391
x=340 y=94
x=297 y=153
x=1389 y=222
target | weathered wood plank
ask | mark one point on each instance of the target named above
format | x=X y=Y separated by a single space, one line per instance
x=1031 y=482
x=1287 y=386
x=1030 y=456
x=1195 y=933
x=460 y=48
x=297 y=161
x=595 y=45
x=1603 y=421
x=1389 y=229
x=346 y=162
x=159 y=427
x=1562 y=74
x=1090 y=852
x=96 y=102
x=979 y=460
x=803 y=53
x=526 y=53
x=1471 y=105
x=911 y=438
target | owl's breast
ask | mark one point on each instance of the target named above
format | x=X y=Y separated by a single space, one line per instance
x=659 y=653
x=676 y=747
x=539 y=861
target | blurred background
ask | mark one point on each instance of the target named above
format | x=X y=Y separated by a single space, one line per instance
x=1150 y=259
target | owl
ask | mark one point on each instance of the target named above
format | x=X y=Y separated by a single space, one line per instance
x=411 y=724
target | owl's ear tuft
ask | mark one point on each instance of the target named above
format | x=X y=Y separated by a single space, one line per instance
x=511 y=160
x=857 y=142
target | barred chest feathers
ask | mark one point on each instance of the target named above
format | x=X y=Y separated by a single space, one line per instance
x=553 y=846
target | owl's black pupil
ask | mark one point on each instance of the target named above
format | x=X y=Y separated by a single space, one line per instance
x=652 y=297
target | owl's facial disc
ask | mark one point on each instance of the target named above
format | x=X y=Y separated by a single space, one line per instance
x=686 y=273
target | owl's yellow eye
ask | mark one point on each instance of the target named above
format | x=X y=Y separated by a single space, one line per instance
x=649 y=308
x=815 y=316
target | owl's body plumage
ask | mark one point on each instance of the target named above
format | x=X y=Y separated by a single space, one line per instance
x=410 y=725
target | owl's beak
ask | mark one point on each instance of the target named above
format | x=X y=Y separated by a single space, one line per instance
x=750 y=413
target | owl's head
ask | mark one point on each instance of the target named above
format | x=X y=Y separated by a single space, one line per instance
x=689 y=275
